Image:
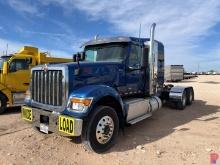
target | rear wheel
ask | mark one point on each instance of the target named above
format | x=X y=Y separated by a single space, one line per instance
x=190 y=97
x=102 y=129
x=182 y=103
x=3 y=103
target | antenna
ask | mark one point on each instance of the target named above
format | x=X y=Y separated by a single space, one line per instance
x=96 y=37
x=140 y=32
x=6 y=50
x=140 y=51
x=140 y=37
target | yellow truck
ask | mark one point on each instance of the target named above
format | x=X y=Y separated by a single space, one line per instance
x=15 y=74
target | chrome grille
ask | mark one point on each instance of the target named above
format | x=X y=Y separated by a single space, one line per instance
x=47 y=87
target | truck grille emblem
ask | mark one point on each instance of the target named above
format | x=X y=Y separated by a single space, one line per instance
x=45 y=68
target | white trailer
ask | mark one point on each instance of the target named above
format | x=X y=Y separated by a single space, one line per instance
x=174 y=73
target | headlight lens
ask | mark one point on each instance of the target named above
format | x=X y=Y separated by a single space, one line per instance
x=79 y=104
x=28 y=95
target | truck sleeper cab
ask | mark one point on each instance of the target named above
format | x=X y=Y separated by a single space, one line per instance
x=114 y=82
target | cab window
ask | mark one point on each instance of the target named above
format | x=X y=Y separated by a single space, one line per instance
x=135 y=57
x=18 y=64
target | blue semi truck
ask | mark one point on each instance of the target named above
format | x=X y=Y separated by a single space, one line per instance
x=114 y=82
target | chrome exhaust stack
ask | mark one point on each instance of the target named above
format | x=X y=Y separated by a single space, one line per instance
x=151 y=60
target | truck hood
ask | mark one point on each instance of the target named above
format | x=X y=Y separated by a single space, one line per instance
x=99 y=73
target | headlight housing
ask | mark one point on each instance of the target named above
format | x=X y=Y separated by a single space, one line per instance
x=79 y=104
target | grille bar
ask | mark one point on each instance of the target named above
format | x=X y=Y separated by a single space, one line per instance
x=47 y=87
x=41 y=86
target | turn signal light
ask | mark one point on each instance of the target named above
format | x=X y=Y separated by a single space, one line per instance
x=84 y=101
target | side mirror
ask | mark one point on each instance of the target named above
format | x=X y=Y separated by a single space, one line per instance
x=28 y=61
x=79 y=57
x=5 y=68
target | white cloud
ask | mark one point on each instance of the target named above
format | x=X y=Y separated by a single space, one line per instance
x=28 y=7
x=180 y=24
x=57 y=53
x=16 y=46
x=44 y=33
x=12 y=46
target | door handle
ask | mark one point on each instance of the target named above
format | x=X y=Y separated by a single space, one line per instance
x=26 y=83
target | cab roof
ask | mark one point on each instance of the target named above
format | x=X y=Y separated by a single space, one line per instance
x=118 y=39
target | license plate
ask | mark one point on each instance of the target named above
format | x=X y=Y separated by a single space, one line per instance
x=26 y=113
x=66 y=125
x=44 y=128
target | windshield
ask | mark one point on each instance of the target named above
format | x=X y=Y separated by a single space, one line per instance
x=108 y=52
x=2 y=60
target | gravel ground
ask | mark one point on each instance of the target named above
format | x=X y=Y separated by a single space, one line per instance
x=169 y=137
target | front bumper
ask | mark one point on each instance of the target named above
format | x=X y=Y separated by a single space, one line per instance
x=38 y=116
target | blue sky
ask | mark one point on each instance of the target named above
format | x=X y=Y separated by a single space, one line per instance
x=189 y=29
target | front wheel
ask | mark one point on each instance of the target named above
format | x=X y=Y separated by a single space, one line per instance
x=3 y=103
x=102 y=129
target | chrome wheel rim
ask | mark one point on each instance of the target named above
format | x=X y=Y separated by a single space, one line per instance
x=104 y=129
x=184 y=100
x=190 y=97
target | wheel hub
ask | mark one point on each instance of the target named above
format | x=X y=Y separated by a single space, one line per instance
x=104 y=129
x=107 y=130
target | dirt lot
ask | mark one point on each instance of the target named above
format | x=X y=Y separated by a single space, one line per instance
x=169 y=137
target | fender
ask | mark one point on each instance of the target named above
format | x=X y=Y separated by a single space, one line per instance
x=96 y=92
x=7 y=93
x=176 y=92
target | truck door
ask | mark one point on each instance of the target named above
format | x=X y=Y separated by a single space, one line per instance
x=18 y=77
x=134 y=73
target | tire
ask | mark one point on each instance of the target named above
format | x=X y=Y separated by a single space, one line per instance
x=102 y=129
x=180 y=105
x=190 y=97
x=3 y=103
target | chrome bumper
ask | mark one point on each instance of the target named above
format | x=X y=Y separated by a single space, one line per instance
x=53 y=121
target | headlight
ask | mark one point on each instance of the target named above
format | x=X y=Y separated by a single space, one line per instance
x=27 y=98
x=28 y=94
x=79 y=104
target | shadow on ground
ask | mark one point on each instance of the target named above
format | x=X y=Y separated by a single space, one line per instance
x=12 y=110
x=211 y=82
x=187 y=81
x=162 y=124
x=177 y=82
